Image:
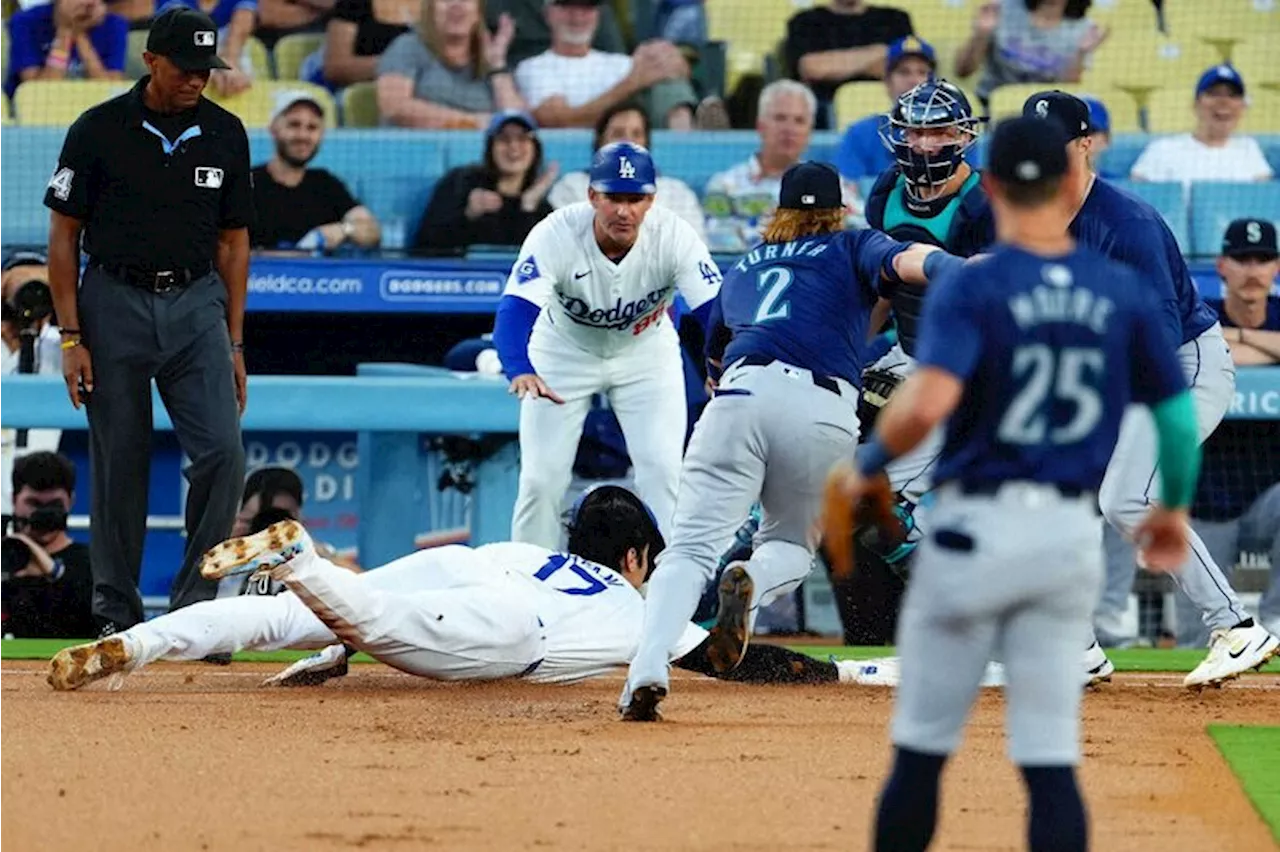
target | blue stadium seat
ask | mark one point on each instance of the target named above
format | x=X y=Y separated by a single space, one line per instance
x=30 y=154
x=1214 y=205
x=1168 y=198
x=1270 y=143
x=1123 y=153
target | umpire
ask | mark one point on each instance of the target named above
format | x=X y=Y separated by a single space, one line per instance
x=157 y=181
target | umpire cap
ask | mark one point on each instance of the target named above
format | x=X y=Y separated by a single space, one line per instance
x=623 y=168
x=1027 y=150
x=1066 y=109
x=186 y=37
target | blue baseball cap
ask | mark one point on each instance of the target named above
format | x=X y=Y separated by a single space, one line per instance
x=1220 y=74
x=909 y=46
x=622 y=168
x=810 y=186
x=510 y=116
x=1027 y=149
x=1099 y=118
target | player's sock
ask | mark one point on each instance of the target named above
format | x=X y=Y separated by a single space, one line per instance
x=908 y=809
x=1058 y=822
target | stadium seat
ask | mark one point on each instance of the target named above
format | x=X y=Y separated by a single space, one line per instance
x=1263 y=114
x=1214 y=205
x=1168 y=198
x=1232 y=19
x=29 y=155
x=1271 y=149
x=292 y=50
x=1173 y=111
x=259 y=59
x=855 y=101
x=254 y=105
x=60 y=102
x=1257 y=61
x=750 y=34
x=360 y=105
x=1123 y=152
x=1142 y=60
x=134 y=67
x=937 y=21
x=1007 y=101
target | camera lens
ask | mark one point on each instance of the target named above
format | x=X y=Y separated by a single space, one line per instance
x=33 y=301
x=14 y=556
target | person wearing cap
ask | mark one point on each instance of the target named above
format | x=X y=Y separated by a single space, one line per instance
x=1214 y=151
x=1012 y=568
x=236 y=20
x=448 y=73
x=64 y=40
x=909 y=62
x=156 y=181
x=1249 y=309
x=570 y=84
x=303 y=208
x=784 y=353
x=1028 y=41
x=585 y=312
x=1129 y=230
x=842 y=41
x=1099 y=134
x=494 y=202
x=20 y=269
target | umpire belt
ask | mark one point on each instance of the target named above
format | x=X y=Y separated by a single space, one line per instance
x=154 y=281
x=824 y=382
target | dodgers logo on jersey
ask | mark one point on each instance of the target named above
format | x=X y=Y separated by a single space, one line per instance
x=618 y=317
x=527 y=270
x=625 y=169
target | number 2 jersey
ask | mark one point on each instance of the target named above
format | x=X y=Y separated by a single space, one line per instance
x=1051 y=350
x=591 y=615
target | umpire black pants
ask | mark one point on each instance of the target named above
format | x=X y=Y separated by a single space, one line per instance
x=180 y=340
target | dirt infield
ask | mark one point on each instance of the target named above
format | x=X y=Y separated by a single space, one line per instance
x=196 y=757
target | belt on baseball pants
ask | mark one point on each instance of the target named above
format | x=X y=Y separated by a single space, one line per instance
x=824 y=382
x=992 y=488
x=154 y=281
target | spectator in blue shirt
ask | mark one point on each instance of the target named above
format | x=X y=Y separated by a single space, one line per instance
x=236 y=20
x=908 y=63
x=1100 y=134
x=66 y=39
x=1249 y=309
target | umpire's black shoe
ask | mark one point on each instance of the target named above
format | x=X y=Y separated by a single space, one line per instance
x=729 y=636
x=643 y=706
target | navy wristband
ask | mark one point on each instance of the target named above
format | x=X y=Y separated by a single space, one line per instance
x=871 y=457
x=939 y=263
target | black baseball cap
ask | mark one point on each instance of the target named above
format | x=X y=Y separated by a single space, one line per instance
x=811 y=186
x=1250 y=238
x=1027 y=150
x=25 y=258
x=187 y=38
x=1064 y=108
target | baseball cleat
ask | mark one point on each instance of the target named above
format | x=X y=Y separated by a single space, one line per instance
x=274 y=546
x=1232 y=652
x=643 y=706
x=313 y=670
x=729 y=636
x=72 y=668
x=1097 y=667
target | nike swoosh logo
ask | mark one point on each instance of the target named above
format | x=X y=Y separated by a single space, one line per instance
x=1236 y=654
x=578 y=275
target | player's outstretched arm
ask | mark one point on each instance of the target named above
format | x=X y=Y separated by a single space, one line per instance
x=921 y=263
x=764 y=664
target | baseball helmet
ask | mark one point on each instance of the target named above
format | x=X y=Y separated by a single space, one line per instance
x=623 y=168
x=932 y=104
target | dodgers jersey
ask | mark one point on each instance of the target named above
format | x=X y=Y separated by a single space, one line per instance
x=804 y=302
x=1126 y=228
x=592 y=616
x=1051 y=350
x=600 y=305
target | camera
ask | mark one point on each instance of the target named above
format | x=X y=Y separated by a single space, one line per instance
x=32 y=303
x=14 y=553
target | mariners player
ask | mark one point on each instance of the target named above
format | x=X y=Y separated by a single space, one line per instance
x=1129 y=230
x=796 y=308
x=449 y=613
x=1032 y=354
x=585 y=312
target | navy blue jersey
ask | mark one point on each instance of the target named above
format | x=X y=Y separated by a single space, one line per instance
x=1051 y=350
x=1271 y=322
x=1127 y=229
x=805 y=302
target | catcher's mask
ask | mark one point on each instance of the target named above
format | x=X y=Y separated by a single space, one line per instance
x=608 y=520
x=934 y=105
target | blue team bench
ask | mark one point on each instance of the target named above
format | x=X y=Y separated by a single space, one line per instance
x=394 y=171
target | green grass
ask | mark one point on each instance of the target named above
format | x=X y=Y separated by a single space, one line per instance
x=1253 y=753
x=1131 y=660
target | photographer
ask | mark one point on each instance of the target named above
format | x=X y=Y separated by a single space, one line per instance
x=28 y=314
x=48 y=587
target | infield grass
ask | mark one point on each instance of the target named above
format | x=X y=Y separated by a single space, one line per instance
x=1253 y=753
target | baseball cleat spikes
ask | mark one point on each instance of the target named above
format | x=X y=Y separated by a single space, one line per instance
x=72 y=668
x=1232 y=652
x=729 y=636
x=643 y=706
x=1098 y=667
x=274 y=546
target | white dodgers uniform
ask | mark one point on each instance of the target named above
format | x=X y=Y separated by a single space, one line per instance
x=604 y=328
x=449 y=613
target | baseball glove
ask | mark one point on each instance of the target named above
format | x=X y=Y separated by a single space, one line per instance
x=841 y=519
x=877 y=387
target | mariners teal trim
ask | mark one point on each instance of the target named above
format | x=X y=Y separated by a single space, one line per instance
x=1179 y=454
x=169 y=147
x=896 y=212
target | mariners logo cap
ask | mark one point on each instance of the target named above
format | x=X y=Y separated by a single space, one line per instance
x=1250 y=238
x=1063 y=108
x=811 y=186
x=622 y=168
x=186 y=37
x=1027 y=150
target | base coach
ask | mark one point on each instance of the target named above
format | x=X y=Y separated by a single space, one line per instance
x=157 y=181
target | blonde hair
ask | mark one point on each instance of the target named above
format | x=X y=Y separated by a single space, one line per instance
x=435 y=42
x=787 y=225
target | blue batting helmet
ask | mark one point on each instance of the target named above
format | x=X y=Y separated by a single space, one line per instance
x=624 y=169
x=934 y=104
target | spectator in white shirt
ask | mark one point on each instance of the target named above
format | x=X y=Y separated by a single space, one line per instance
x=570 y=84
x=1213 y=151
x=627 y=122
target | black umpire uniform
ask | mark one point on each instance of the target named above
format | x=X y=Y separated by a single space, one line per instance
x=158 y=198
